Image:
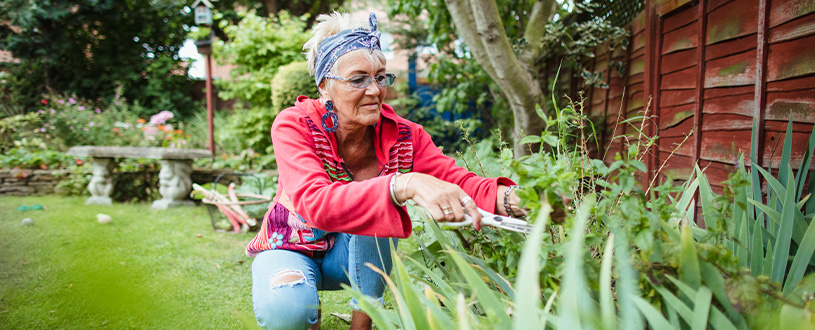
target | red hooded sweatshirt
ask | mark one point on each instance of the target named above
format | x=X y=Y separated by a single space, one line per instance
x=317 y=196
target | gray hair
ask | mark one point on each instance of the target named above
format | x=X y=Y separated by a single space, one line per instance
x=328 y=25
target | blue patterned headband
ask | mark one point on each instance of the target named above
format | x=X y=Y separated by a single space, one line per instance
x=333 y=47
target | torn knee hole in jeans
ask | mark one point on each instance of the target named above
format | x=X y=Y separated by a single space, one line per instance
x=287 y=278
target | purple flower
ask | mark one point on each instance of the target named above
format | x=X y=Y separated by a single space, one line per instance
x=84 y=128
x=41 y=111
x=71 y=100
x=61 y=101
x=90 y=124
x=81 y=107
x=53 y=111
x=98 y=110
x=42 y=129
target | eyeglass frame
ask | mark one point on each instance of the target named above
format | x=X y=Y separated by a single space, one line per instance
x=370 y=80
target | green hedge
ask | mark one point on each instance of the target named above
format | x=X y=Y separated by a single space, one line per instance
x=291 y=81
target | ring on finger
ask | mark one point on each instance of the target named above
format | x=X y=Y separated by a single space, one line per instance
x=465 y=200
x=447 y=210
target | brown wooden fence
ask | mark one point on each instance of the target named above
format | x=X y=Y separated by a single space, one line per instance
x=708 y=68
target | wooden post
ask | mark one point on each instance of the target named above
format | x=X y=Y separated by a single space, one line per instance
x=761 y=78
x=653 y=46
x=700 y=83
x=700 y=100
x=210 y=126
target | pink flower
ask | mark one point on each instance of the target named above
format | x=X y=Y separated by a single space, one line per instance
x=71 y=100
x=53 y=111
x=98 y=110
x=150 y=130
x=41 y=111
x=42 y=129
x=81 y=107
x=161 y=117
x=90 y=124
x=61 y=101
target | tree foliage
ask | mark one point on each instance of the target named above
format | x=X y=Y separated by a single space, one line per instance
x=229 y=11
x=510 y=41
x=96 y=49
x=257 y=49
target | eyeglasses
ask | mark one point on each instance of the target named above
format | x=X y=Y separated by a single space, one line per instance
x=364 y=80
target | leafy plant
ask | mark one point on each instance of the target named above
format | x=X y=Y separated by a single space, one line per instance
x=257 y=47
x=256 y=82
x=622 y=258
x=34 y=159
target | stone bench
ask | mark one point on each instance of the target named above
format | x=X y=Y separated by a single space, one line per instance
x=174 y=176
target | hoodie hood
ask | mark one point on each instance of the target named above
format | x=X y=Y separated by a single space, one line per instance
x=385 y=130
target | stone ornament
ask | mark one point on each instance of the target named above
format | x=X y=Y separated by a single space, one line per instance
x=101 y=184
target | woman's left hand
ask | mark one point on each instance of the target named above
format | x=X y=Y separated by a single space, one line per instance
x=514 y=203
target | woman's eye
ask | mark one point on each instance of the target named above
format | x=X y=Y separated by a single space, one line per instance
x=358 y=80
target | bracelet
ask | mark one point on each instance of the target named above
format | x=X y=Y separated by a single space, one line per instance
x=392 y=189
x=506 y=201
x=408 y=176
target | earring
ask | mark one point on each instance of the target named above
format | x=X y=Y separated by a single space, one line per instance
x=329 y=107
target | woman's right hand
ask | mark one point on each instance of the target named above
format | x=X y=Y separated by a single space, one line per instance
x=442 y=199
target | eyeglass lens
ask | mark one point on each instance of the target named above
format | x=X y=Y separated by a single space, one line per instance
x=363 y=80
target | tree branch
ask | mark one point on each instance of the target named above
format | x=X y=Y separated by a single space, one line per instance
x=465 y=26
x=542 y=13
x=514 y=79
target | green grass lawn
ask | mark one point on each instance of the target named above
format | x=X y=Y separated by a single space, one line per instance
x=148 y=269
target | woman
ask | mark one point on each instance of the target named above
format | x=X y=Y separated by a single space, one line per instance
x=347 y=166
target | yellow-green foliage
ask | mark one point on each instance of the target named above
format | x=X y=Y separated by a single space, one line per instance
x=291 y=81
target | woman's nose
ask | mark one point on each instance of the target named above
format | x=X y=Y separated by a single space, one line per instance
x=373 y=88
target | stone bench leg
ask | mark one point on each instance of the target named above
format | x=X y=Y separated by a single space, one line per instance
x=102 y=181
x=175 y=183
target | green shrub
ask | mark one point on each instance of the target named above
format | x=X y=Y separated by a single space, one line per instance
x=19 y=130
x=34 y=159
x=257 y=47
x=75 y=183
x=291 y=81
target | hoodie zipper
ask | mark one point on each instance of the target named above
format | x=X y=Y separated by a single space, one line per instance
x=347 y=171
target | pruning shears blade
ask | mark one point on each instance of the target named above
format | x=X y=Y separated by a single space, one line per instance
x=494 y=220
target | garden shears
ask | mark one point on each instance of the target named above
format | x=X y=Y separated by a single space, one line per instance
x=490 y=219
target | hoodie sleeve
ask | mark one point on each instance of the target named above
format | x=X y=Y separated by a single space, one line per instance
x=360 y=208
x=429 y=159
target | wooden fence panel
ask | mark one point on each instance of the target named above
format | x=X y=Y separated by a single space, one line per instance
x=709 y=69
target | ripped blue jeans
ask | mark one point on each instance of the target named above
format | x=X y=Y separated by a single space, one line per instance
x=285 y=283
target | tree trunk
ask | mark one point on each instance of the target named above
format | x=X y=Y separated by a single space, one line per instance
x=479 y=25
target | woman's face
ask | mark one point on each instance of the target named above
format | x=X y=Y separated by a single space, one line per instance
x=357 y=107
